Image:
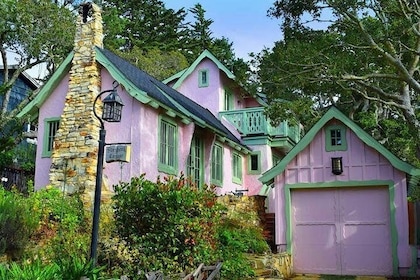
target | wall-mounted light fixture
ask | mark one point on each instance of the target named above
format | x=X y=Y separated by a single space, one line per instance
x=337 y=165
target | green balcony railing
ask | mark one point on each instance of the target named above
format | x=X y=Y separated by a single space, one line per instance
x=253 y=121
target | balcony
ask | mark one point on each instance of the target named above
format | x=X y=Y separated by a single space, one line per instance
x=252 y=123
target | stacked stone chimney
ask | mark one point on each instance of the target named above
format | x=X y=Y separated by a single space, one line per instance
x=74 y=156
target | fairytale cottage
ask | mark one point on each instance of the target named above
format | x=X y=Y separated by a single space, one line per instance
x=198 y=122
x=347 y=216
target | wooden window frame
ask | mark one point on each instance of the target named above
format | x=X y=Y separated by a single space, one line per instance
x=217 y=165
x=237 y=168
x=256 y=154
x=48 y=139
x=329 y=138
x=228 y=100
x=196 y=154
x=203 y=82
x=170 y=151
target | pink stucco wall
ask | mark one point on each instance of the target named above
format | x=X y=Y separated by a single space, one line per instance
x=52 y=107
x=360 y=163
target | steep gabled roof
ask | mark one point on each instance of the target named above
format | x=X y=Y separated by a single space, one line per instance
x=143 y=88
x=179 y=77
x=334 y=113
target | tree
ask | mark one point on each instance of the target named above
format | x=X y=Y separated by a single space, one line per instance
x=146 y=24
x=365 y=60
x=35 y=33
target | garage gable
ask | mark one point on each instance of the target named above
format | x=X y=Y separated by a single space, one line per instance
x=333 y=113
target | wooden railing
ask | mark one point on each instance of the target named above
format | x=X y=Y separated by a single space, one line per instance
x=201 y=273
x=253 y=121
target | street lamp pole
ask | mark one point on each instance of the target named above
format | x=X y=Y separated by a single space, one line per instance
x=111 y=112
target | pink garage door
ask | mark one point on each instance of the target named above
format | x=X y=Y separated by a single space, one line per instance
x=341 y=231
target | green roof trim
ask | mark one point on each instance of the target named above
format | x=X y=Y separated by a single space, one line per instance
x=46 y=90
x=334 y=113
x=182 y=75
x=174 y=77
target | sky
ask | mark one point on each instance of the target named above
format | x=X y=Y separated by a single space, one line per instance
x=243 y=22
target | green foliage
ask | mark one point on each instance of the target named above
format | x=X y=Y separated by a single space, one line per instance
x=63 y=228
x=155 y=62
x=169 y=223
x=30 y=271
x=71 y=268
x=173 y=226
x=16 y=223
x=353 y=59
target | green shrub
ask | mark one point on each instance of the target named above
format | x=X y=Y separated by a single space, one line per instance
x=16 y=223
x=169 y=223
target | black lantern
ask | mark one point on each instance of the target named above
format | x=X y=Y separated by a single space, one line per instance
x=112 y=107
x=337 y=165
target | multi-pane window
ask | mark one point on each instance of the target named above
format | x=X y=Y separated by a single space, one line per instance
x=168 y=147
x=237 y=168
x=216 y=165
x=335 y=139
x=203 y=78
x=195 y=162
x=228 y=100
x=50 y=129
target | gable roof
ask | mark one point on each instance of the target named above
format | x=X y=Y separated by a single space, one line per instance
x=30 y=82
x=143 y=88
x=334 y=113
x=182 y=75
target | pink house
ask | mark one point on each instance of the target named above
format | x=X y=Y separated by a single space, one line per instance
x=340 y=200
x=199 y=122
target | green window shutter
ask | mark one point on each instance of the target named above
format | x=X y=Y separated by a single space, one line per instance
x=254 y=163
x=237 y=168
x=167 y=150
x=203 y=78
x=216 y=165
x=50 y=129
x=335 y=138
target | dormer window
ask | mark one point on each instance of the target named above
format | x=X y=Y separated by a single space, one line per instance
x=335 y=138
x=203 y=78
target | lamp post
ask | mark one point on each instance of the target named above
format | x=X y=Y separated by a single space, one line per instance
x=111 y=112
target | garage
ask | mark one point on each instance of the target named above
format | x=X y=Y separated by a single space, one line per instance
x=341 y=231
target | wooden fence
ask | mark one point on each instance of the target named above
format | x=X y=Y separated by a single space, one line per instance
x=15 y=178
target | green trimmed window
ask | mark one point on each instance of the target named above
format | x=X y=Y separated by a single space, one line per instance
x=50 y=129
x=228 y=100
x=335 y=138
x=217 y=165
x=254 y=163
x=237 y=168
x=168 y=143
x=203 y=78
x=195 y=162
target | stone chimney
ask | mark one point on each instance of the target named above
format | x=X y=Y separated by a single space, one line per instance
x=74 y=156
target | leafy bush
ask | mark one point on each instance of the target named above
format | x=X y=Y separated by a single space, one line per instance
x=169 y=223
x=173 y=226
x=63 y=228
x=16 y=223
